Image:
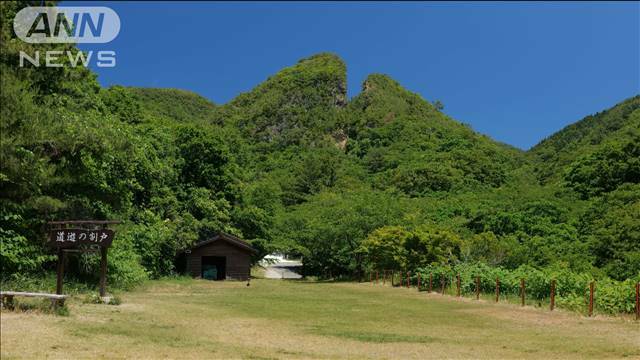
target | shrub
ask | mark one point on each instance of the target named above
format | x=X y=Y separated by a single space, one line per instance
x=572 y=289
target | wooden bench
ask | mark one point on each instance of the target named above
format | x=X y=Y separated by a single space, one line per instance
x=6 y=298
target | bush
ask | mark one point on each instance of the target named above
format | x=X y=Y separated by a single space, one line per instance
x=124 y=270
x=96 y=299
x=572 y=289
x=396 y=247
x=17 y=253
x=615 y=296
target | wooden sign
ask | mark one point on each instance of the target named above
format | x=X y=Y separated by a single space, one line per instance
x=67 y=238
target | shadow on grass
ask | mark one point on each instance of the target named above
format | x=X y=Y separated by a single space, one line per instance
x=42 y=306
x=313 y=280
x=375 y=337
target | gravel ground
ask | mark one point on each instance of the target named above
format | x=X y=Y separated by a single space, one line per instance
x=283 y=270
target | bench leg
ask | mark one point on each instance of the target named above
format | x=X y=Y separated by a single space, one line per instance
x=56 y=303
x=7 y=302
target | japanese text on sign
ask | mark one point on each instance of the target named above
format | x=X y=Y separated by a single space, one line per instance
x=73 y=237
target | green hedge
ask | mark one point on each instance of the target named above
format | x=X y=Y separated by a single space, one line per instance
x=572 y=289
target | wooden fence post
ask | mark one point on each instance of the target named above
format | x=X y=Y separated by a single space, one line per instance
x=522 y=291
x=376 y=277
x=497 y=289
x=408 y=279
x=430 y=282
x=419 y=276
x=553 y=295
x=458 y=285
x=591 y=289
x=638 y=301
x=477 y=287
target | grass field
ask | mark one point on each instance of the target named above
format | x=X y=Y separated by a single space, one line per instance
x=294 y=319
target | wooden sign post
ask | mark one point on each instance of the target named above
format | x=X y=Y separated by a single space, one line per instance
x=637 y=301
x=85 y=235
x=103 y=271
x=430 y=282
x=553 y=295
x=591 y=290
x=60 y=271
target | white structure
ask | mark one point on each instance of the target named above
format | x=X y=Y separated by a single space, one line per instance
x=278 y=266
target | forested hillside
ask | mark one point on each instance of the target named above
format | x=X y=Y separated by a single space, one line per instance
x=612 y=128
x=383 y=179
x=170 y=104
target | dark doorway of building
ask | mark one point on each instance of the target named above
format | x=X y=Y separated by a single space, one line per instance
x=214 y=267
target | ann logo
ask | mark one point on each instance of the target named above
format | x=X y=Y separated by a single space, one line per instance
x=41 y=25
x=90 y=24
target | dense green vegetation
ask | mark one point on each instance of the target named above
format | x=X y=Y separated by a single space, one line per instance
x=609 y=128
x=384 y=179
x=572 y=289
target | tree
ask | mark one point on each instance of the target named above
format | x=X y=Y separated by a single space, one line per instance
x=385 y=248
x=611 y=228
x=205 y=159
x=614 y=164
x=396 y=247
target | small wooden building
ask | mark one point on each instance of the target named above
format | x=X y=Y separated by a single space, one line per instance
x=222 y=257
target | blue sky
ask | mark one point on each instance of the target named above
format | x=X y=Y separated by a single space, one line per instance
x=517 y=72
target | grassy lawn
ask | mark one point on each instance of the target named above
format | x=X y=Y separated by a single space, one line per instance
x=293 y=319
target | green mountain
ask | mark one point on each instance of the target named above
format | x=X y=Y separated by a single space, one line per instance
x=404 y=141
x=299 y=99
x=293 y=165
x=596 y=155
x=178 y=105
x=587 y=137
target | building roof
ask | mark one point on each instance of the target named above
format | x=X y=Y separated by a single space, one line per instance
x=228 y=238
